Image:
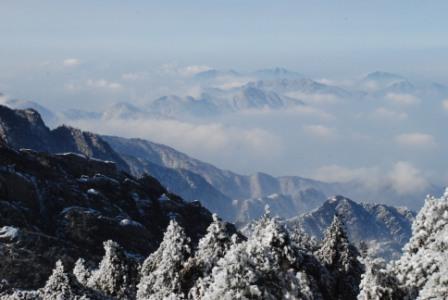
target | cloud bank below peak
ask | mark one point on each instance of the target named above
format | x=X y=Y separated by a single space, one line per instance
x=403 y=177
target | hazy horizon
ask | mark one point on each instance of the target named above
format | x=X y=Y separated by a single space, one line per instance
x=91 y=55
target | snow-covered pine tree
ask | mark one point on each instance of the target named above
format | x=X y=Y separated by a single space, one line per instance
x=422 y=269
x=4 y=286
x=60 y=285
x=212 y=247
x=303 y=241
x=263 y=267
x=378 y=283
x=341 y=258
x=160 y=277
x=436 y=287
x=81 y=272
x=116 y=275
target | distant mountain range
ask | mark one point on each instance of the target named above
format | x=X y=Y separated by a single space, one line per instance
x=234 y=196
x=276 y=88
x=237 y=198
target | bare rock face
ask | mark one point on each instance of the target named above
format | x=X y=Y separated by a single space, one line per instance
x=26 y=129
x=65 y=206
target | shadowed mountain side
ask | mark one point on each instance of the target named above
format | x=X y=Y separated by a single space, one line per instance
x=65 y=206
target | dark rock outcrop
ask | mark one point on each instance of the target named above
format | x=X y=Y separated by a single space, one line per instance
x=26 y=129
x=65 y=206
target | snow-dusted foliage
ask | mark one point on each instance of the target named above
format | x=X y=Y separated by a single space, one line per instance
x=60 y=286
x=341 y=258
x=212 y=247
x=436 y=286
x=263 y=267
x=271 y=263
x=423 y=266
x=81 y=272
x=377 y=283
x=115 y=276
x=422 y=271
x=302 y=240
x=160 y=273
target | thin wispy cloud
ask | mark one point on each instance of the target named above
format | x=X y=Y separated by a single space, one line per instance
x=445 y=104
x=416 y=140
x=317 y=99
x=320 y=131
x=210 y=141
x=134 y=76
x=71 y=62
x=403 y=99
x=403 y=177
x=384 y=113
x=407 y=179
x=94 y=85
x=185 y=71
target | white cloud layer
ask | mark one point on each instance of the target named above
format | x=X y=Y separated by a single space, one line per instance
x=134 y=76
x=320 y=131
x=335 y=173
x=388 y=114
x=403 y=177
x=317 y=99
x=407 y=179
x=416 y=139
x=403 y=99
x=312 y=113
x=211 y=142
x=71 y=62
x=3 y=99
x=445 y=104
x=104 y=84
x=186 y=71
x=94 y=84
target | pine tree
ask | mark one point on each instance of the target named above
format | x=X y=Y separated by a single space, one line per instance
x=263 y=267
x=378 y=283
x=212 y=247
x=436 y=287
x=421 y=270
x=303 y=241
x=340 y=257
x=81 y=272
x=59 y=285
x=160 y=271
x=115 y=276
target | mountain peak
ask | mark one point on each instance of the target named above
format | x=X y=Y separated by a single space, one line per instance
x=26 y=129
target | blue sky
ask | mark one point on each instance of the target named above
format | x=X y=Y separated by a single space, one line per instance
x=315 y=36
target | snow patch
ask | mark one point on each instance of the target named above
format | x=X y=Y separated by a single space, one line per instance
x=10 y=232
x=93 y=192
x=163 y=198
x=129 y=222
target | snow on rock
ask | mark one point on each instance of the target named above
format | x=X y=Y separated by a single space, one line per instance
x=164 y=197
x=129 y=222
x=9 y=232
x=93 y=192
